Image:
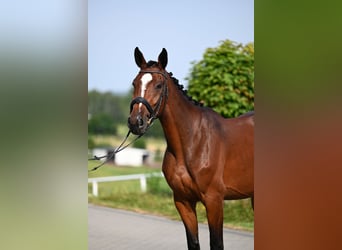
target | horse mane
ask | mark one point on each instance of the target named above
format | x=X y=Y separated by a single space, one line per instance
x=179 y=86
x=184 y=91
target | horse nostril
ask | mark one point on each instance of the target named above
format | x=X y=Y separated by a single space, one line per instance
x=140 y=121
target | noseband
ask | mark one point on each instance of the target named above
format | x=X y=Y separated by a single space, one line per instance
x=139 y=99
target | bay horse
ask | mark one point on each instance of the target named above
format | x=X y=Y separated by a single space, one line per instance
x=208 y=158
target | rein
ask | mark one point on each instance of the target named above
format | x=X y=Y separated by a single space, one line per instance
x=153 y=116
x=139 y=99
x=111 y=154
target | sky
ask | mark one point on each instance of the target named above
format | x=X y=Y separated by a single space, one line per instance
x=184 y=28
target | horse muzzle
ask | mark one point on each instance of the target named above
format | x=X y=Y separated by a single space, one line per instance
x=138 y=124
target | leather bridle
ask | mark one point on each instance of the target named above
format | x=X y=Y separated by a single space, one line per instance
x=153 y=115
x=153 y=112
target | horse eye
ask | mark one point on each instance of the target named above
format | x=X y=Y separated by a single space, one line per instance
x=158 y=86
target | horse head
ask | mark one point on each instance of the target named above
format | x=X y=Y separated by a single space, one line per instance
x=150 y=92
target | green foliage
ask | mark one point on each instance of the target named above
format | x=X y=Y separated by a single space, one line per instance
x=224 y=78
x=239 y=212
x=101 y=124
x=158 y=186
x=155 y=130
x=140 y=143
x=91 y=143
x=104 y=105
x=116 y=106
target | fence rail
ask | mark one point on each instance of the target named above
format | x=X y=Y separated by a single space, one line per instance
x=141 y=177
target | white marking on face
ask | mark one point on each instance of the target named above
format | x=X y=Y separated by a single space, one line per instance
x=145 y=79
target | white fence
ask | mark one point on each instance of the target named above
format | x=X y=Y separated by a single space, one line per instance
x=141 y=177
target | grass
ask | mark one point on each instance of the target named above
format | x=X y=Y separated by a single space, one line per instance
x=158 y=198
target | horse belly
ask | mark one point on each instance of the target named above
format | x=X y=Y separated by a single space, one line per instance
x=238 y=178
x=239 y=185
x=233 y=193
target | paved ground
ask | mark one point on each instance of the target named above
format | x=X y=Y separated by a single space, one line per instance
x=111 y=229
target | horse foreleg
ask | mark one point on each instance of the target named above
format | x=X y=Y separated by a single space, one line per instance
x=214 y=208
x=187 y=211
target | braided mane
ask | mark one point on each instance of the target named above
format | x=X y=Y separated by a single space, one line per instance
x=184 y=91
x=179 y=86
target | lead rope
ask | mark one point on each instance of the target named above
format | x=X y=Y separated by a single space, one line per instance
x=150 y=123
x=110 y=155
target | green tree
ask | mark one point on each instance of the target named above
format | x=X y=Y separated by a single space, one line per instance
x=224 y=78
x=114 y=105
x=101 y=123
x=106 y=106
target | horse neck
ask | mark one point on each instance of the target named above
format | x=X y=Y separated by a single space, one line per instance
x=178 y=118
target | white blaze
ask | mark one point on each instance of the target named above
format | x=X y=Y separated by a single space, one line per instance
x=145 y=79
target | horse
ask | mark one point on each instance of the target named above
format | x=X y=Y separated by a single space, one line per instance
x=208 y=158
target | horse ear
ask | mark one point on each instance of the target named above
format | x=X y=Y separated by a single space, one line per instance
x=162 y=58
x=139 y=58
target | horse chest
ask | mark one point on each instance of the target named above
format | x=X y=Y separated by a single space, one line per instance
x=180 y=181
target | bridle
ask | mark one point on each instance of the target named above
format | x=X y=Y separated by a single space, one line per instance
x=153 y=115
x=153 y=112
